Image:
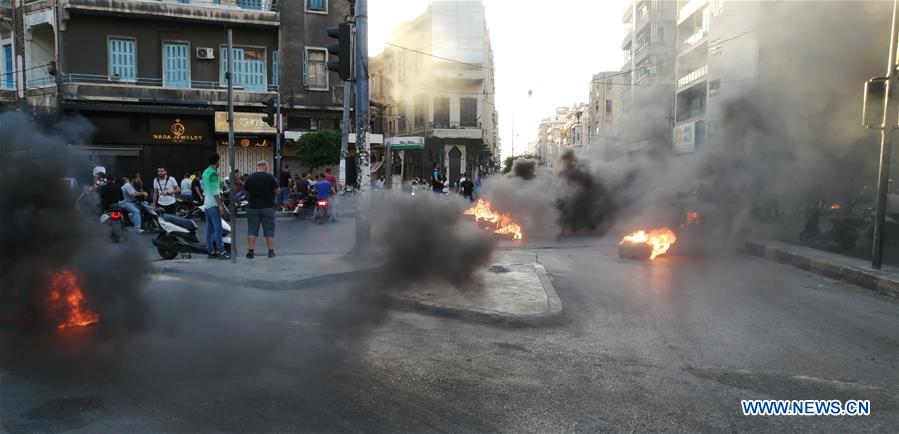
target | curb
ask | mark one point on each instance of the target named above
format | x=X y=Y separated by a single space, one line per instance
x=551 y=316
x=868 y=279
x=277 y=285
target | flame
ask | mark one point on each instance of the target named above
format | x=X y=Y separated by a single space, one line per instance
x=836 y=207
x=482 y=211
x=692 y=218
x=661 y=239
x=66 y=301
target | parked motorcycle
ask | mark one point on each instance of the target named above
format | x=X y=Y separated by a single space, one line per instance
x=188 y=208
x=179 y=236
x=304 y=207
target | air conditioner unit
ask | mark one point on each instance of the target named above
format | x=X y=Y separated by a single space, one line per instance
x=205 y=53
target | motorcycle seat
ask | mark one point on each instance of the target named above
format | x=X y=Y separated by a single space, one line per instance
x=180 y=222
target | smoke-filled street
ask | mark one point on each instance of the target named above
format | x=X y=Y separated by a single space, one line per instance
x=461 y=216
x=672 y=345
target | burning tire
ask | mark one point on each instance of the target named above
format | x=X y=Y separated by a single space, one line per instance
x=634 y=251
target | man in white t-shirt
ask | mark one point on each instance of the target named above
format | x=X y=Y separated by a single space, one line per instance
x=164 y=190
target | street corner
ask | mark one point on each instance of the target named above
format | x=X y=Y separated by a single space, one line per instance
x=511 y=294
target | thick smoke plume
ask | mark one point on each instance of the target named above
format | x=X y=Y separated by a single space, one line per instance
x=524 y=168
x=428 y=240
x=44 y=233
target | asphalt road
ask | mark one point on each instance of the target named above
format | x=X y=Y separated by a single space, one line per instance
x=671 y=346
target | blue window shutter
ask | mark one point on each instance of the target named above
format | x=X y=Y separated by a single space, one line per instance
x=223 y=66
x=7 y=67
x=276 y=71
x=315 y=5
x=122 y=59
x=176 y=66
x=250 y=4
x=305 y=68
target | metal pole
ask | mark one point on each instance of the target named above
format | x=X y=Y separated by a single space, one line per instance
x=278 y=129
x=363 y=161
x=233 y=205
x=886 y=144
x=345 y=133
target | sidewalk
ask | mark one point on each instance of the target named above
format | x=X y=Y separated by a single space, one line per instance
x=516 y=291
x=848 y=269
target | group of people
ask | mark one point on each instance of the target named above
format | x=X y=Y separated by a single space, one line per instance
x=300 y=187
x=163 y=193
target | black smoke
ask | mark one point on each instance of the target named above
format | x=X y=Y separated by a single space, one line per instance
x=585 y=204
x=524 y=168
x=44 y=232
x=426 y=240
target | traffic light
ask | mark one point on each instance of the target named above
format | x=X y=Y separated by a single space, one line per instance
x=270 y=112
x=343 y=50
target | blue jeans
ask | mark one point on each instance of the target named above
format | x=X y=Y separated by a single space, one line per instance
x=133 y=212
x=214 y=230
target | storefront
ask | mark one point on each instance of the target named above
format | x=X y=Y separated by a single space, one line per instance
x=128 y=142
x=254 y=141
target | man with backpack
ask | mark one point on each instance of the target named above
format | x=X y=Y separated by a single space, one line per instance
x=164 y=190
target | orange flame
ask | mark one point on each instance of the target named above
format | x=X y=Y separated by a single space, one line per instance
x=66 y=301
x=836 y=207
x=660 y=239
x=692 y=218
x=482 y=211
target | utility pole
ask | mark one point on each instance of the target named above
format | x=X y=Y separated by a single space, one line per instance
x=363 y=162
x=278 y=129
x=232 y=208
x=887 y=127
x=345 y=133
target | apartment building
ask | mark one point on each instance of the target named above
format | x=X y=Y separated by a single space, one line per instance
x=647 y=105
x=603 y=114
x=150 y=74
x=435 y=81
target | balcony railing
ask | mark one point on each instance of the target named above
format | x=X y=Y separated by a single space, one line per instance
x=258 y=12
x=454 y=125
x=693 y=76
x=157 y=82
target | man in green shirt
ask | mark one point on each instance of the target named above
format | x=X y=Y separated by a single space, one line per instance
x=213 y=207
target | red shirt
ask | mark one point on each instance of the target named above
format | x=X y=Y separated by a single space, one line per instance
x=331 y=179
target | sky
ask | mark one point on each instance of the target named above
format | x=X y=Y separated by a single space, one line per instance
x=552 y=52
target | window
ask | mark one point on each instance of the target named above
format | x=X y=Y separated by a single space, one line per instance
x=714 y=87
x=250 y=4
x=122 y=59
x=315 y=68
x=468 y=112
x=441 y=112
x=7 y=81
x=608 y=106
x=176 y=65
x=276 y=68
x=317 y=6
x=249 y=68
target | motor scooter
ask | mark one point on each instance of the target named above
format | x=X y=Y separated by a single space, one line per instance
x=179 y=236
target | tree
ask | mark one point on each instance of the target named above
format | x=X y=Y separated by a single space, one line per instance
x=509 y=161
x=319 y=148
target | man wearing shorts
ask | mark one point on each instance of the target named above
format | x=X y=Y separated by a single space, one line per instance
x=262 y=189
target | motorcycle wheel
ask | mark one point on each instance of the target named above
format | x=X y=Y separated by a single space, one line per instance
x=182 y=211
x=806 y=237
x=166 y=252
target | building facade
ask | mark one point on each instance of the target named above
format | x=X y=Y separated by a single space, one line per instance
x=150 y=75
x=603 y=114
x=565 y=130
x=435 y=80
x=647 y=106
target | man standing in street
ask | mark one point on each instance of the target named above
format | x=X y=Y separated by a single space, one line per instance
x=284 y=183
x=212 y=204
x=467 y=188
x=164 y=189
x=262 y=191
x=436 y=181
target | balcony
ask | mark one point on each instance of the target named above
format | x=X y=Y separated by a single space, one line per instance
x=468 y=74
x=628 y=38
x=252 y=12
x=689 y=9
x=693 y=76
x=456 y=130
x=101 y=88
